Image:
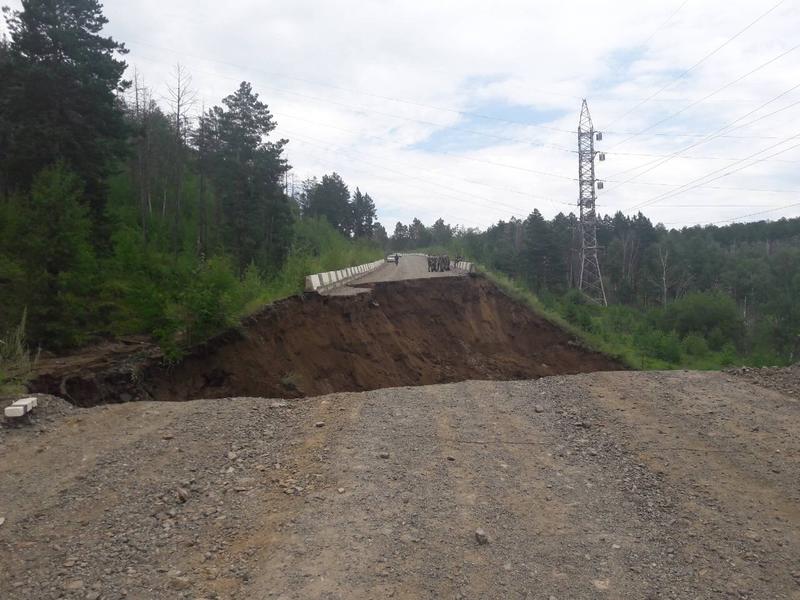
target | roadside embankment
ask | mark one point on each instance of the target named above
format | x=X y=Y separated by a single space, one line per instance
x=414 y=332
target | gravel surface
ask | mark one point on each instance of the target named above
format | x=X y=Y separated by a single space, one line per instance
x=608 y=485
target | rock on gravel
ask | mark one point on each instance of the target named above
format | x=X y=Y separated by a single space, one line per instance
x=481 y=537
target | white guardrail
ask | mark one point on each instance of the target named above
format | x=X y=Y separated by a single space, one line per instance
x=319 y=282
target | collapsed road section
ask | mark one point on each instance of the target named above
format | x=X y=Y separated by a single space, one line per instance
x=403 y=333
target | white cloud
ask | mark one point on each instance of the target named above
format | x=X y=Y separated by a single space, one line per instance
x=326 y=69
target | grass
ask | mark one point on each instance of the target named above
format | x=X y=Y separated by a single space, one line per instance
x=522 y=294
x=623 y=333
x=16 y=362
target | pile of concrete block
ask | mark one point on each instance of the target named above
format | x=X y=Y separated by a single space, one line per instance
x=20 y=408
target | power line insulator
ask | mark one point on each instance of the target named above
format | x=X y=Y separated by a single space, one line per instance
x=599 y=185
x=599 y=136
x=602 y=156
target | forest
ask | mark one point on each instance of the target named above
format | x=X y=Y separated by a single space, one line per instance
x=700 y=296
x=120 y=215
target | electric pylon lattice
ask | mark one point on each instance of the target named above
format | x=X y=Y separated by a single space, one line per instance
x=591 y=281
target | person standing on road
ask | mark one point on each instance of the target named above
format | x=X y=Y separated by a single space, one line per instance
x=396 y=259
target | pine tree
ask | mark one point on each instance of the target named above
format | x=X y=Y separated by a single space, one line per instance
x=58 y=256
x=60 y=95
x=248 y=172
x=363 y=214
x=330 y=198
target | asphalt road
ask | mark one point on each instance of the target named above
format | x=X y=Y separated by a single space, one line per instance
x=409 y=267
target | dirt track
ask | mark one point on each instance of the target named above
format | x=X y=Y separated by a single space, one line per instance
x=608 y=485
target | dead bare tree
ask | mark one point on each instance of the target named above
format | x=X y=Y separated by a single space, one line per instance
x=182 y=99
x=140 y=105
x=663 y=259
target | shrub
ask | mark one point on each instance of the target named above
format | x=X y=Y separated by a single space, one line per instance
x=728 y=355
x=695 y=345
x=665 y=346
x=713 y=315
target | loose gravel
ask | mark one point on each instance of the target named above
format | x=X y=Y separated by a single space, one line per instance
x=618 y=485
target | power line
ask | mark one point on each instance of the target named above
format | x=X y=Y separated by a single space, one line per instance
x=689 y=135
x=715 y=92
x=761 y=212
x=710 y=136
x=358 y=107
x=712 y=187
x=462 y=157
x=371 y=94
x=414 y=177
x=665 y=23
x=697 y=64
x=689 y=186
x=376 y=137
x=728 y=158
x=393 y=115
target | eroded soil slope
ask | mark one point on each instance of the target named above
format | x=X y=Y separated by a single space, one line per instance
x=414 y=332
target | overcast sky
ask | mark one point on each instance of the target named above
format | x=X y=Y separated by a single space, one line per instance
x=468 y=110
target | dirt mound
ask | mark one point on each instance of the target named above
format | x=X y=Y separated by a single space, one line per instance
x=781 y=379
x=416 y=332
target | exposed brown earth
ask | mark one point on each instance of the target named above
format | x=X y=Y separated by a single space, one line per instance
x=410 y=332
x=607 y=485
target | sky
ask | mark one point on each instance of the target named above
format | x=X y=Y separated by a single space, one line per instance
x=469 y=110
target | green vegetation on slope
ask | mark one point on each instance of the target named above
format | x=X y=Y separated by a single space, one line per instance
x=696 y=332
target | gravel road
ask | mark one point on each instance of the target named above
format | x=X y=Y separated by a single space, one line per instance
x=411 y=266
x=608 y=485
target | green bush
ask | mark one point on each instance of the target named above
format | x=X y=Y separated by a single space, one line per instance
x=728 y=356
x=664 y=346
x=695 y=345
x=713 y=315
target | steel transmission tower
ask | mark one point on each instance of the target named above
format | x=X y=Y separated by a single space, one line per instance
x=590 y=282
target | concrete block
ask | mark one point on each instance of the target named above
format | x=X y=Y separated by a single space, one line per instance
x=27 y=404
x=14 y=412
x=30 y=400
